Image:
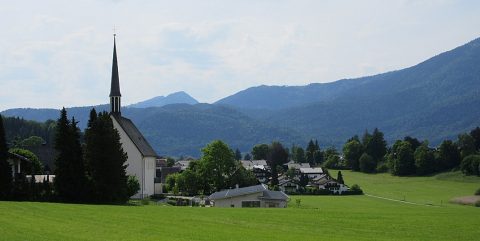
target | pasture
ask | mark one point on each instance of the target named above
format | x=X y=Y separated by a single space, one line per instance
x=317 y=218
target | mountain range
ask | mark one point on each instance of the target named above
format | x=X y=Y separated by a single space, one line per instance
x=435 y=100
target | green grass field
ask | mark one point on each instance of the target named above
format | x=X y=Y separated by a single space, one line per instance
x=318 y=217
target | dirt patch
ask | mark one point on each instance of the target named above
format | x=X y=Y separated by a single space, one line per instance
x=466 y=200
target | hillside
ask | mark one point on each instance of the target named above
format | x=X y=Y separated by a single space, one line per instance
x=433 y=100
x=159 y=101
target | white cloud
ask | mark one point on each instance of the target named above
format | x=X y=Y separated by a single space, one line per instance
x=58 y=53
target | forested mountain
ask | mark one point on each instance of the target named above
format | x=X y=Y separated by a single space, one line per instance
x=434 y=100
x=174 y=98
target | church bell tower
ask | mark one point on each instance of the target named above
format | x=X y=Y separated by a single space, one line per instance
x=115 y=96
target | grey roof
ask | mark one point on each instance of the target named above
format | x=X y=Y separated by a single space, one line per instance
x=298 y=165
x=262 y=188
x=135 y=135
x=277 y=195
x=311 y=170
x=115 y=85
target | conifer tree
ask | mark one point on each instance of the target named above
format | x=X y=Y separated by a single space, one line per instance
x=106 y=160
x=5 y=168
x=70 y=180
x=340 y=177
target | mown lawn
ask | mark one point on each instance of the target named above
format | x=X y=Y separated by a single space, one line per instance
x=317 y=218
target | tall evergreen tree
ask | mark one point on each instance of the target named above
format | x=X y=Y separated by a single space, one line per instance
x=448 y=155
x=106 y=160
x=70 y=180
x=238 y=155
x=475 y=133
x=376 y=146
x=5 y=168
x=277 y=156
x=340 y=177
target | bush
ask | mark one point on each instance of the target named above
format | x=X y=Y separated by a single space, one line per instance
x=355 y=189
x=477 y=192
x=133 y=186
x=382 y=167
x=477 y=203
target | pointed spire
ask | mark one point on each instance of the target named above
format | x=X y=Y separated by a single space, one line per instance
x=115 y=86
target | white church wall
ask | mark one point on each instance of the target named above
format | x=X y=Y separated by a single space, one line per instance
x=135 y=162
x=149 y=175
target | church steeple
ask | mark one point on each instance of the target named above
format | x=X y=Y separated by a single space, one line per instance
x=115 y=95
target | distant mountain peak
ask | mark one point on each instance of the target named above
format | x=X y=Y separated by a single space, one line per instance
x=180 y=97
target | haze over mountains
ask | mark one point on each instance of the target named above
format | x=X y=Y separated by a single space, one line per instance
x=435 y=100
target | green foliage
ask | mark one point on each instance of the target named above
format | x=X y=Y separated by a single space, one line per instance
x=356 y=189
x=216 y=170
x=448 y=155
x=313 y=153
x=70 y=180
x=32 y=167
x=333 y=162
x=352 y=151
x=477 y=192
x=170 y=162
x=340 y=177
x=260 y=152
x=277 y=156
x=475 y=133
x=470 y=165
x=403 y=162
x=106 y=160
x=367 y=164
x=133 y=186
x=31 y=141
x=375 y=145
x=5 y=168
x=298 y=154
x=466 y=144
x=238 y=155
x=247 y=157
x=424 y=160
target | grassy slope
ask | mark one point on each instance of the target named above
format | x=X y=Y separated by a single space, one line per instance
x=436 y=190
x=318 y=218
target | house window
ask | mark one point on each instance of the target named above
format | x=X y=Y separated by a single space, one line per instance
x=250 y=204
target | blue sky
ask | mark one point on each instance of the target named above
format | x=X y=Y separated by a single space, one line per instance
x=58 y=53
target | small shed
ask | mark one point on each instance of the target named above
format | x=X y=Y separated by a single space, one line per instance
x=252 y=196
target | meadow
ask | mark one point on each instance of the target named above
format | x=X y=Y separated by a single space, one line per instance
x=317 y=217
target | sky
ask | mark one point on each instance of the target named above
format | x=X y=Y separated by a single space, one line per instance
x=59 y=53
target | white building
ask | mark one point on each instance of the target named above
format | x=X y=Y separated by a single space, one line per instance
x=141 y=156
x=252 y=197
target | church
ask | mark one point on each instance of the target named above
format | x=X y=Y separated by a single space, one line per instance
x=141 y=156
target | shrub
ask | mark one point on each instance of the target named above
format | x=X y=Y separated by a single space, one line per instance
x=133 y=186
x=477 y=203
x=145 y=201
x=477 y=192
x=355 y=189
x=382 y=167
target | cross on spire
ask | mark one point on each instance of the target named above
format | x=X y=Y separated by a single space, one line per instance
x=114 y=31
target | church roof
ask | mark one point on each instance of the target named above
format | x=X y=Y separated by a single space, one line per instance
x=115 y=85
x=136 y=136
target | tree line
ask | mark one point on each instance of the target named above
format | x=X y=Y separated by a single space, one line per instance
x=88 y=171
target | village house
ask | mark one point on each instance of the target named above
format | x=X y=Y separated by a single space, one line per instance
x=312 y=173
x=260 y=169
x=253 y=196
